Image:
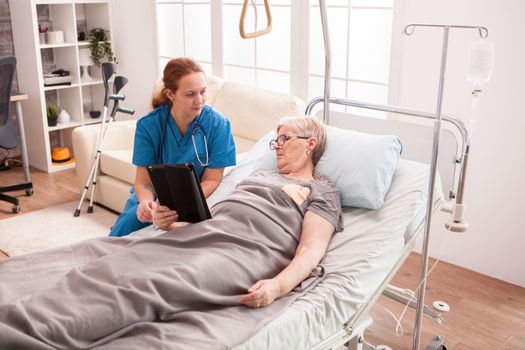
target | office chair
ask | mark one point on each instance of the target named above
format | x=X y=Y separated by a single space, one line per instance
x=8 y=134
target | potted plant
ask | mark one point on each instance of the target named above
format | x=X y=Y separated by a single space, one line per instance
x=52 y=115
x=100 y=46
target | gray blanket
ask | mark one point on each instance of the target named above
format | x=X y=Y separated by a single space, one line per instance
x=178 y=290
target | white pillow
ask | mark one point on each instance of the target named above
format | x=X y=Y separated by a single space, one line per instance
x=361 y=166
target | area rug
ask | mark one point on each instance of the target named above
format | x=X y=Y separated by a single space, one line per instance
x=52 y=227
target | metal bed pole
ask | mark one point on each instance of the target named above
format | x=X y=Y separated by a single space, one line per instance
x=327 y=62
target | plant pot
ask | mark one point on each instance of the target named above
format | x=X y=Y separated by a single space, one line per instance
x=52 y=121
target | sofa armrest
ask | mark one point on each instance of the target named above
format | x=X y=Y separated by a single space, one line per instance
x=85 y=141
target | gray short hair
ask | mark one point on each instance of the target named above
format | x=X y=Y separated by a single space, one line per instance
x=308 y=126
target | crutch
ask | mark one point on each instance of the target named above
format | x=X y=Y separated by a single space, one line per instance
x=118 y=84
x=108 y=69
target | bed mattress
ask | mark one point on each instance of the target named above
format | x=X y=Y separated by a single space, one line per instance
x=357 y=262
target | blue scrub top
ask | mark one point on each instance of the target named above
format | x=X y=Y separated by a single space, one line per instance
x=180 y=149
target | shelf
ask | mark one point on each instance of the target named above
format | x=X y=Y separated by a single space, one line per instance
x=56 y=167
x=52 y=46
x=94 y=82
x=89 y=120
x=69 y=17
x=86 y=43
x=61 y=126
x=60 y=87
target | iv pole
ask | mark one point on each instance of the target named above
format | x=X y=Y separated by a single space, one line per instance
x=409 y=30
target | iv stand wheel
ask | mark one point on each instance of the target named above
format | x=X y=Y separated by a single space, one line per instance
x=29 y=192
x=15 y=208
x=438 y=343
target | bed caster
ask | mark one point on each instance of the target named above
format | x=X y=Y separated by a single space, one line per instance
x=437 y=344
x=383 y=347
x=359 y=343
x=29 y=192
x=15 y=208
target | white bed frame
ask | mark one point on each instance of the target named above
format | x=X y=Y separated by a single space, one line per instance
x=417 y=142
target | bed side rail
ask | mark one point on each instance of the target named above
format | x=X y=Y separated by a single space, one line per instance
x=455 y=206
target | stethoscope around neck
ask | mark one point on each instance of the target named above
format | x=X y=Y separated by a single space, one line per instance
x=195 y=127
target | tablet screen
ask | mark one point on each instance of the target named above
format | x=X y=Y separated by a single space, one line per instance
x=177 y=187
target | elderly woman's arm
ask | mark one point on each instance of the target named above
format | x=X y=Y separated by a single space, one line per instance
x=315 y=236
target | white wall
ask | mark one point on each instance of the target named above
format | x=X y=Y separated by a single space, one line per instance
x=135 y=32
x=495 y=243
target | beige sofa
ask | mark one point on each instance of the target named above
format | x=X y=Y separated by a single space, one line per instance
x=252 y=112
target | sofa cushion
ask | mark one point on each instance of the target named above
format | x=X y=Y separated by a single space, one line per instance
x=253 y=111
x=214 y=86
x=242 y=144
x=117 y=163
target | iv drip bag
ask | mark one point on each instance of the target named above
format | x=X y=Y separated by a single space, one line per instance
x=480 y=63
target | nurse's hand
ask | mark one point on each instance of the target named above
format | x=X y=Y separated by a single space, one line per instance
x=145 y=210
x=163 y=217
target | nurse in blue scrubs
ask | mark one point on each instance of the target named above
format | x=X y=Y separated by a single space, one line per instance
x=181 y=128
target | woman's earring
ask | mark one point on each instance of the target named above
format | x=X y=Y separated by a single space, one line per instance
x=307 y=152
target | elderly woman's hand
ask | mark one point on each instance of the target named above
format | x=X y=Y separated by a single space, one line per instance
x=163 y=217
x=262 y=293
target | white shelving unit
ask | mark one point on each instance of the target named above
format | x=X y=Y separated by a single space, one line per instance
x=66 y=16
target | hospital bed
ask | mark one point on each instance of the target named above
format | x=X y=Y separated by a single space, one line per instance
x=362 y=259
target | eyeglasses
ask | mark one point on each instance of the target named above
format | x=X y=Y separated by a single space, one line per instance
x=281 y=140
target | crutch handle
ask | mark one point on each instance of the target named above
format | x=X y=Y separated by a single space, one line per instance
x=108 y=69
x=130 y=111
x=117 y=97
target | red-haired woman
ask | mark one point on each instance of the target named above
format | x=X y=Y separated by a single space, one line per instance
x=180 y=128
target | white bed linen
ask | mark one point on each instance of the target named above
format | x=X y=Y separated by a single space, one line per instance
x=357 y=262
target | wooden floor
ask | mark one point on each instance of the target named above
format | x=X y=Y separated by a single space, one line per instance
x=485 y=313
x=49 y=190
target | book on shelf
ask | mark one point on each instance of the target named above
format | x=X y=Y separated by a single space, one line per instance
x=53 y=80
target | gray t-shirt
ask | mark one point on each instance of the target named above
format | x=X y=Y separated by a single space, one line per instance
x=293 y=197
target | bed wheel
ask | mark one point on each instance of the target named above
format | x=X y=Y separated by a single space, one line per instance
x=437 y=344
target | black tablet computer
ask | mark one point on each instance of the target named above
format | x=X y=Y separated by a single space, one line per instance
x=178 y=188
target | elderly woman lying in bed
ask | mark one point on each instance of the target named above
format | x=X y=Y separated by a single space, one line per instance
x=264 y=239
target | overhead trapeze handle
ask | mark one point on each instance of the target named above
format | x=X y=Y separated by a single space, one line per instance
x=245 y=35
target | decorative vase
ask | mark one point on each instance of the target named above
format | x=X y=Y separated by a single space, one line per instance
x=63 y=116
x=85 y=62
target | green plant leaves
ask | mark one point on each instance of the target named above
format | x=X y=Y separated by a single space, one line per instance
x=52 y=112
x=99 y=46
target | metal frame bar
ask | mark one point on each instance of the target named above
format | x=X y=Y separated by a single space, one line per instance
x=452 y=120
